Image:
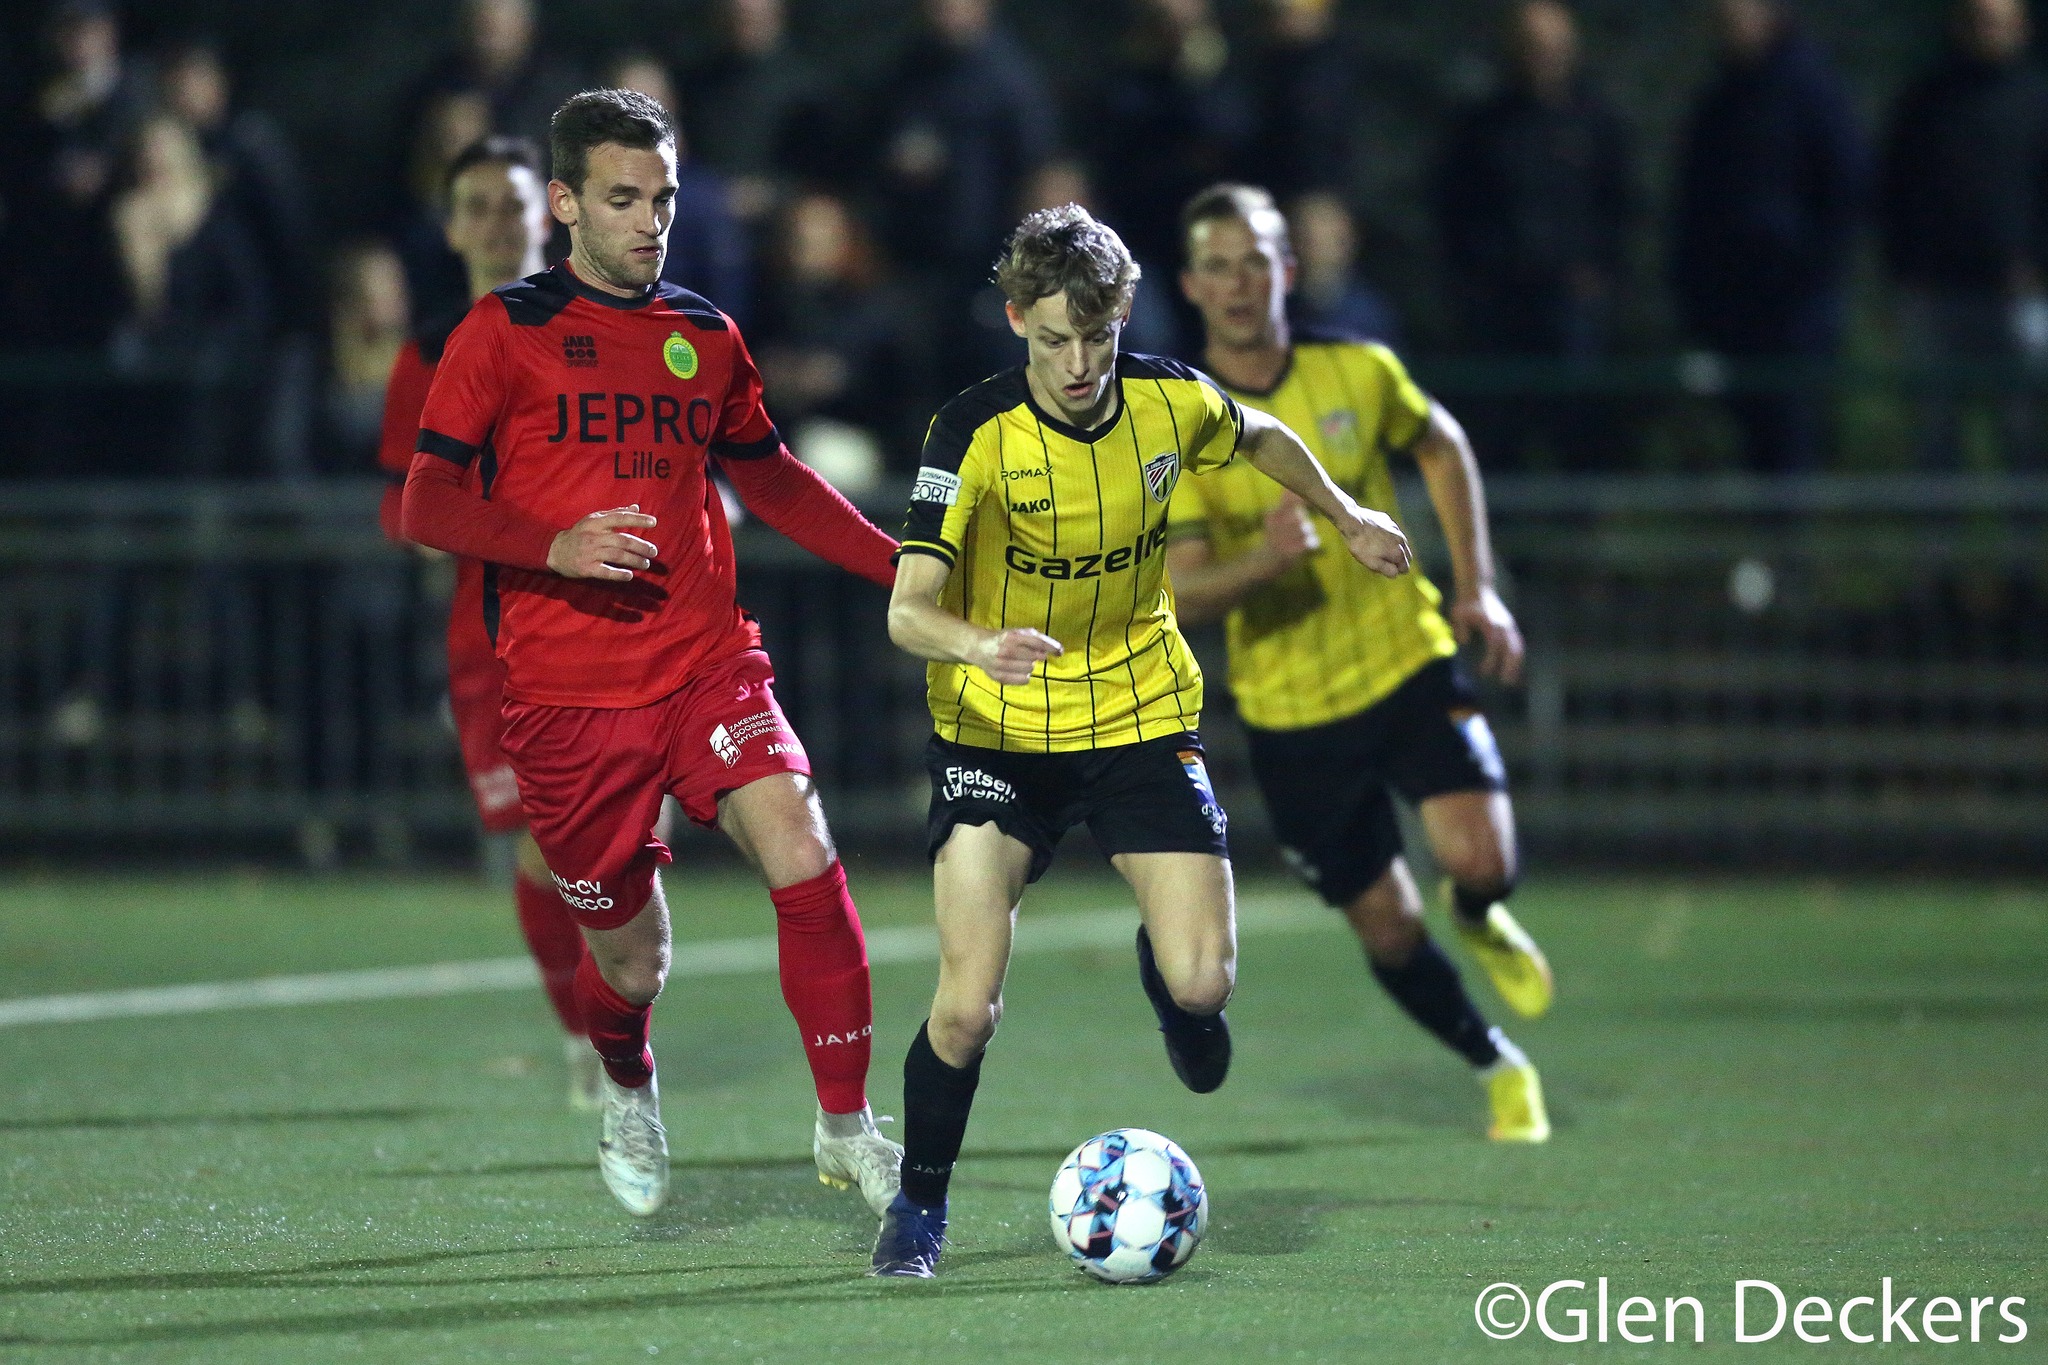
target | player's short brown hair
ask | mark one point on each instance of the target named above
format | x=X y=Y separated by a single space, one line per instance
x=1251 y=203
x=595 y=117
x=1065 y=250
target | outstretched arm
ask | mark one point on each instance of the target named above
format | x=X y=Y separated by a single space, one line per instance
x=1275 y=451
x=1444 y=456
x=795 y=499
x=920 y=626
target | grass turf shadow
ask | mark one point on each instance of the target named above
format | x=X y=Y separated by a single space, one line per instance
x=116 y=1122
x=836 y=1285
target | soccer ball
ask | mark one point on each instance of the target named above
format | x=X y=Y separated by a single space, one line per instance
x=1128 y=1207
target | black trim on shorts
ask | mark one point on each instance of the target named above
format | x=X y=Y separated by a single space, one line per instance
x=1329 y=789
x=1153 y=796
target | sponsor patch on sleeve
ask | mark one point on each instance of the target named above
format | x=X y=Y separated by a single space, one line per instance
x=936 y=485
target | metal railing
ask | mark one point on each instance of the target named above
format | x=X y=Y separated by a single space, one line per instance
x=1827 y=670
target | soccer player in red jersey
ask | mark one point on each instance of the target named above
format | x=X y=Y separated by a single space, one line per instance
x=566 y=443
x=498 y=225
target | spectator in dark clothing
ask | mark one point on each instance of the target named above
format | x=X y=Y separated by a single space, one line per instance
x=257 y=173
x=707 y=248
x=966 y=120
x=1534 y=196
x=199 y=302
x=86 y=113
x=837 y=343
x=498 y=57
x=1329 y=296
x=1303 y=101
x=1175 y=116
x=1963 y=200
x=1771 y=183
x=760 y=114
x=435 y=281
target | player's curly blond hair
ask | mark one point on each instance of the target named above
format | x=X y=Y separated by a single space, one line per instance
x=1065 y=250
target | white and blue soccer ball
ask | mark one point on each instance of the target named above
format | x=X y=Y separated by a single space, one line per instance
x=1128 y=1206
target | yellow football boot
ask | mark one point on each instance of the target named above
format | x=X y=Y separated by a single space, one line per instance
x=1511 y=958
x=1516 y=1094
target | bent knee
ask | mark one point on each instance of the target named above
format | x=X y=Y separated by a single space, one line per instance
x=636 y=983
x=959 y=1027
x=1204 y=987
x=1481 y=871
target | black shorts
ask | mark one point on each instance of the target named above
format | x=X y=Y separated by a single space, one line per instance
x=1329 y=788
x=1150 y=797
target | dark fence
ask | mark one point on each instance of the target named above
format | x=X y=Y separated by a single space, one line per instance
x=1833 y=672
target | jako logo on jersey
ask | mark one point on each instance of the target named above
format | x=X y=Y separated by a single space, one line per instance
x=581 y=894
x=680 y=356
x=1035 y=505
x=1162 y=472
x=579 y=352
x=1088 y=566
x=936 y=485
x=828 y=1039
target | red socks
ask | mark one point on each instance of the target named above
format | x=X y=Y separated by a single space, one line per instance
x=824 y=960
x=556 y=944
x=617 y=1030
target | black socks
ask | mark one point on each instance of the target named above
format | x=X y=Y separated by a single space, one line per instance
x=936 y=1102
x=1428 y=988
x=1473 y=905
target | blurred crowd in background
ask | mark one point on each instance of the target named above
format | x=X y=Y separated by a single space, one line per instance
x=847 y=217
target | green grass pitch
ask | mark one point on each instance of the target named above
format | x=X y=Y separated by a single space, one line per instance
x=1815 y=1084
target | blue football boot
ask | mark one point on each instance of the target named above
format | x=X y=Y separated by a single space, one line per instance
x=910 y=1239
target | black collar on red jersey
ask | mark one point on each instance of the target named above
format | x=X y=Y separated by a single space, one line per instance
x=566 y=276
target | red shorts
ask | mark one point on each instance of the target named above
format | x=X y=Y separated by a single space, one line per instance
x=476 y=698
x=592 y=779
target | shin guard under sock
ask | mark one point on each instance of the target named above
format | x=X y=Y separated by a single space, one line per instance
x=1427 y=986
x=824 y=964
x=937 y=1099
x=617 y=1030
x=556 y=944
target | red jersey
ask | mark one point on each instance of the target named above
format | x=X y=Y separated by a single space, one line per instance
x=566 y=401
x=412 y=373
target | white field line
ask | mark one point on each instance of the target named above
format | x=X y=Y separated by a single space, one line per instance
x=716 y=957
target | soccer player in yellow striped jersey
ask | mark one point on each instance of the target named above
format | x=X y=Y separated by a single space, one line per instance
x=1032 y=577
x=1346 y=681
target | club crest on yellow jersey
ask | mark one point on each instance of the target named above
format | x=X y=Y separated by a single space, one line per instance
x=1162 y=472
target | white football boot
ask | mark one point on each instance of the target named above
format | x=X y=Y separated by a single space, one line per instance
x=586 y=1069
x=849 y=1151
x=632 y=1148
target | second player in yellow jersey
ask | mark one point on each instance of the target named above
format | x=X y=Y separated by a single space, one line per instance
x=1325 y=638
x=1346 y=680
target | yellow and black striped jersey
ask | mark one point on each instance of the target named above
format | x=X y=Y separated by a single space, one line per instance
x=1064 y=531
x=1330 y=637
